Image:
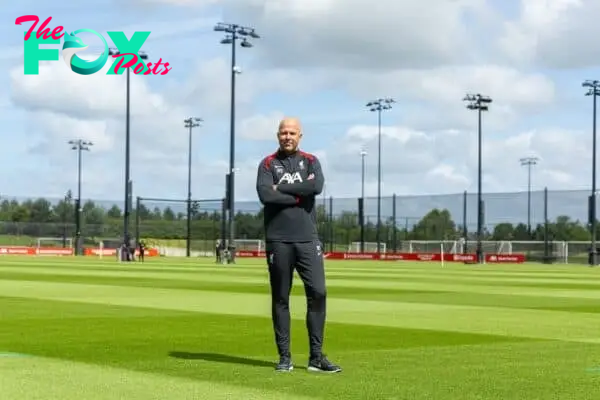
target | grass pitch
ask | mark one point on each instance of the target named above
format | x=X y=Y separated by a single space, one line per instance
x=187 y=329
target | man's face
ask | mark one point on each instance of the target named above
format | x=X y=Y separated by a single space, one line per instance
x=289 y=135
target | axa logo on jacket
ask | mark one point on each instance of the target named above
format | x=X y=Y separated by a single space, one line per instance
x=290 y=178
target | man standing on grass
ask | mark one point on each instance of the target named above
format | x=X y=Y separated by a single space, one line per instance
x=287 y=184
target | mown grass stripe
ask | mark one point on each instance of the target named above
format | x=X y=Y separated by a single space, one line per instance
x=536 y=291
x=40 y=378
x=382 y=294
x=542 y=324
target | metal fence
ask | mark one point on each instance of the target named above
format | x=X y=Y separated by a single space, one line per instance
x=425 y=217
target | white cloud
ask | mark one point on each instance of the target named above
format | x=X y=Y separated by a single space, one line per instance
x=356 y=34
x=60 y=129
x=446 y=161
x=260 y=127
x=210 y=82
x=553 y=33
x=59 y=90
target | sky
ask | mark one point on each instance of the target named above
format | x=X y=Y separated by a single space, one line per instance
x=321 y=61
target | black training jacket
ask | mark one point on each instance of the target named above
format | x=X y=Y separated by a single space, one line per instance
x=290 y=211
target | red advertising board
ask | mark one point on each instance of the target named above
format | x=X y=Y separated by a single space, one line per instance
x=468 y=258
x=489 y=258
x=60 y=251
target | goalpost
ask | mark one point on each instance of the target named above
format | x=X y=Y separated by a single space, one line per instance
x=54 y=243
x=249 y=245
x=370 y=247
x=457 y=246
x=66 y=243
x=109 y=244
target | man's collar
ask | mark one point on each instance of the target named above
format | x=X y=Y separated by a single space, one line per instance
x=281 y=153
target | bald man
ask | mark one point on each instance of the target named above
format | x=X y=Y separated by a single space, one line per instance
x=287 y=183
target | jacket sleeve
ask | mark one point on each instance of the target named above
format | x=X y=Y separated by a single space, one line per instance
x=311 y=187
x=266 y=193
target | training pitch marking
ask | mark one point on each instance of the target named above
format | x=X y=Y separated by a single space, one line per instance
x=8 y=354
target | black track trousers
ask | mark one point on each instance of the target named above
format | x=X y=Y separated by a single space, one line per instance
x=307 y=259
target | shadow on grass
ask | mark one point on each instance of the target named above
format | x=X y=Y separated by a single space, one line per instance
x=222 y=358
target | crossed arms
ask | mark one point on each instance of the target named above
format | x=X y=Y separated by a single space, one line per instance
x=288 y=194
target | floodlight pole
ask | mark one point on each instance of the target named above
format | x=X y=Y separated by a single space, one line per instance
x=79 y=145
x=190 y=123
x=480 y=103
x=594 y=91
x=126 y=208
x=363 y=154
x=529 y=162
x=233 y=33
x=378 y=106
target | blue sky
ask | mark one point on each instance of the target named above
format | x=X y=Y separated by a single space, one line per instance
x=321 y=63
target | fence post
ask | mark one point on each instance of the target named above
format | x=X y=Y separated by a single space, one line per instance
x=330 y=223
x=465 y=230
x=394 y=232
x=138 y=201
x=223 y=222
x=547 y=258
x=361 y=222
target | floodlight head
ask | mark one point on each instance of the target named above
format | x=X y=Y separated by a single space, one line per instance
x=246 y=44
x=227 y=40
x=113 y=51
x=143 y=55
x=254 y=35
x=389 y=100
x=370 y=104
x=591 y=83
x=363 y=152
x=198 y=119
x=529 y=160
x=484 y=99
x=220 y=28
x=374 y=109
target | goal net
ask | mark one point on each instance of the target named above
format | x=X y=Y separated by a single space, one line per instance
x=536 y=250
x=456 y=246
x=249 y=245
x=54 y=246
x=54 y=242
x=111 y=246
x=370 y=247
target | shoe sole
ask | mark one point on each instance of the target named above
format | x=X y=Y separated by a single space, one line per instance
x=315 y=369
x=290 y=369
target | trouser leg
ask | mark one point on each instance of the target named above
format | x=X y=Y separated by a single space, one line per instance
x=310 y=266
x=280 y=259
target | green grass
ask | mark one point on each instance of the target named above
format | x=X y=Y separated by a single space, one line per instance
x=187 y=329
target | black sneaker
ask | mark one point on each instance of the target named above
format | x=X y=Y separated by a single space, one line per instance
x=322 y=364
x=284 y=365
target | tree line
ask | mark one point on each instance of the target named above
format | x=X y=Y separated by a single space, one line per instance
x=41 y=218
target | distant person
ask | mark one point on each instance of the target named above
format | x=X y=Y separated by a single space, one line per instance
x=141 y=251
x=218 y=251
x=287 y=184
